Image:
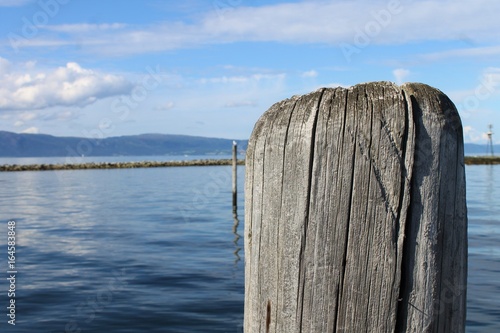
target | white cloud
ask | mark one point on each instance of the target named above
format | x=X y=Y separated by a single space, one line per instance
x=487 y=87
x=31 y=130
x=239 y=104
x=242 y=79
x=400 y=75
x=24 y=117
x=225 y=79
x=314 y=21
x=30 y=64
x=61 y=115
x=71 y=85
x=334 y=85
x=86 y=27
x=165 y=107
x=491 y=79
x=471 y=135
x=27 y=116
x=14 y=3
x=474 y=136
x=311 y=73
x=468 y=129
x=463 y=52
x=4 y=66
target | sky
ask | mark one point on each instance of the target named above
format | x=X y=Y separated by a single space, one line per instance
x=106 y=68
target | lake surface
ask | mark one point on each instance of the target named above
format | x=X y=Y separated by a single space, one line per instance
x=126 y=250
x=483 y=288
x=159 y=250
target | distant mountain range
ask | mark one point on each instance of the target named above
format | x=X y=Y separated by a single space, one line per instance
x=42 y=145
x=472 y=149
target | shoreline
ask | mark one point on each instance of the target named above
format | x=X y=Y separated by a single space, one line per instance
x=481 y=160
x=116 y=165
x=469 y=160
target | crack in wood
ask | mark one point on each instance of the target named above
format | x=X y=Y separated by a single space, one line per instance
x=352 y=239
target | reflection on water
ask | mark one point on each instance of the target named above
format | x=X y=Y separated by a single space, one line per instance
x=236 y=235
x=159 y=250
x=483 y=205
x=136 y=250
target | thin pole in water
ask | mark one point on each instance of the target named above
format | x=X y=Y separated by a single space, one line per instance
x=235 y=163
x=490 y=140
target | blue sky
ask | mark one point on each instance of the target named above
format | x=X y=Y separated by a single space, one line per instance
x=211 y=68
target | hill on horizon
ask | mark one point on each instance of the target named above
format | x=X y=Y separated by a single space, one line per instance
x=43 y=145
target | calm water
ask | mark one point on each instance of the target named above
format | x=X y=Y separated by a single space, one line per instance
x=157 y=250
x=127 y=250
x=483 y=204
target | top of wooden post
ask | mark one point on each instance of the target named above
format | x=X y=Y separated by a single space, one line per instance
x=355 y=216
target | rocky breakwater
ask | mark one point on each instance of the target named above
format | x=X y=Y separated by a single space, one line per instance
x=116 y=165
x=478 y=160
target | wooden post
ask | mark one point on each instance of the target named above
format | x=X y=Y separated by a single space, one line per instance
x=235 y=178
x=355 y=213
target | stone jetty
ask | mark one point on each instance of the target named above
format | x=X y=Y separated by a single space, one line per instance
x=469 y=160
x=477 y=160
x=116 y=165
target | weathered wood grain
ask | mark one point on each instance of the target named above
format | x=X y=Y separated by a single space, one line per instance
x=355 y=217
